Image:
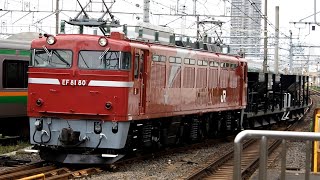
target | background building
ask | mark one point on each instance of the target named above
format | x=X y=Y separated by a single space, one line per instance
x=246 y=32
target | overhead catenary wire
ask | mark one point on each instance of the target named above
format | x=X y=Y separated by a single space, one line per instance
x=253 y=4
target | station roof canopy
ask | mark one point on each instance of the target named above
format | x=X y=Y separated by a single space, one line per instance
x=24 y=36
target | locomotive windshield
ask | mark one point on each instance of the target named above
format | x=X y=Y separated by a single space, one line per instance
x=51 y=58
x=104 y=60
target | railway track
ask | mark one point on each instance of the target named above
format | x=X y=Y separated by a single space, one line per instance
x=43 y=170
x=222 y=168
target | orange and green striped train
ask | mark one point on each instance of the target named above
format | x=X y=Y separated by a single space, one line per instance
x=14 y=60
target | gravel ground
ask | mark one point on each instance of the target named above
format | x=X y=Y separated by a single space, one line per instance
x=168 y=167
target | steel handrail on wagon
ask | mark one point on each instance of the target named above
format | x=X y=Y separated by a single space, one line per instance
x=264 y=135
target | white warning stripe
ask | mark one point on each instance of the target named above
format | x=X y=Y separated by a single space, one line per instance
x=91 y=83
x=43 y=81
x=110 y=83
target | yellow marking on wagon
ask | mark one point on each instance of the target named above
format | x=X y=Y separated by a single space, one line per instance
x=316 y=148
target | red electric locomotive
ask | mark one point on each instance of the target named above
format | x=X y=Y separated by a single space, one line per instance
x=91 y=98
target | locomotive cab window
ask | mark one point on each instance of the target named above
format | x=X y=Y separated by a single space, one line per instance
x=51 y=58
x=15 y=74
x=104 y=60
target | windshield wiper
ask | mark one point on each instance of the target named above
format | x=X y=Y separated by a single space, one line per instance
x=104 y=53
x=47 y=51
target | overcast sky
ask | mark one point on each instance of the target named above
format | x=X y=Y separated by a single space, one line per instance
x=290 y=11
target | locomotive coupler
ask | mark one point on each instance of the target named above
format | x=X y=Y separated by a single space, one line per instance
x=69 y=137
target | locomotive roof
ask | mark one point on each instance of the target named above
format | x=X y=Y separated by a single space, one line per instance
x=118 y=38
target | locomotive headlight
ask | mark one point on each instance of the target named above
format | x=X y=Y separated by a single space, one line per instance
x=97 y=127
x=39 y=102
x=108 y=105
x=51 y=40
x=103 y=41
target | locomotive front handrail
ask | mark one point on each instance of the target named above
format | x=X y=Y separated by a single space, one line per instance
x=264 y=135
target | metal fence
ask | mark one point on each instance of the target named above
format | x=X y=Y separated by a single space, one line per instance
x=264 y=135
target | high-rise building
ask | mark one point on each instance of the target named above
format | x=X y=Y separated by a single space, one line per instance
x=245 y=31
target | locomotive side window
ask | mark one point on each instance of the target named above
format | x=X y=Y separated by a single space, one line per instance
x=51 y=58
x=177 y=60
x=189 y=61
x=172 y=59
x=213 y=64
x=15 y=74
x=125 y=60
x=163 y=58
x=136 y=66
x=158 y=58
x=186 y=61
x=155 y=58
x=141 y=63
x=233 y=66
x=205 y=63
x=225 y=65
x=202 y=63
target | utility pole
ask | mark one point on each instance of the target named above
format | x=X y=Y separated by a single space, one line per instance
x=146 y=9
x=198 y=30
x=243 y=28
x=276 y=50
x=177 y=9
x=290 y=53
x=183 y=23
x=224 y=8
x=57 y=16
x=265 y=57
x=194 y=7
x=197 y=16
x=315 y=12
